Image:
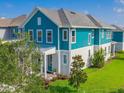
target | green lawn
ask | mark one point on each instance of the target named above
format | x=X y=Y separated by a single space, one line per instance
x=106 y=80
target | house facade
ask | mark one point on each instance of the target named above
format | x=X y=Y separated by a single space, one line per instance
x=118 y=37
x=9 y=26
x=62 y=34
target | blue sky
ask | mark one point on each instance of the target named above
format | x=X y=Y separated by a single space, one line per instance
x=111 y=11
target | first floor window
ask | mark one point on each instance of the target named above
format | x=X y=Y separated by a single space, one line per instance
x=39 y=35
x=89 y=38
x=31 y=35
x=73 y=36
x=49 y=36
x=65 y=59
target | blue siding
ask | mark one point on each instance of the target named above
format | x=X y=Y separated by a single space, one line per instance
x=82 y=38
x=64 y=45
x=96 y=37
x=46 y=24
x=105 y=39
x=118 y=36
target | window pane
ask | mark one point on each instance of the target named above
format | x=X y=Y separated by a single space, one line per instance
x=65 y=35
x=49 y=36
x=31 y=35
x=39 y=35
x=73 y=33
x=39 y=20
x=73 y=36
x=65 y=59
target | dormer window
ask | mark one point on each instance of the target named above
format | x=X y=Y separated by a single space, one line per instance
x=39 y=20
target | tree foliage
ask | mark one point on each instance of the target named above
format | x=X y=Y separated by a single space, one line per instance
x=98 y=59
x=77 y=75
x=20 y=64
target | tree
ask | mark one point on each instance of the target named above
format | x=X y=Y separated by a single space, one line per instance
x=98 y=59
x=9 y=71
x=19 y=65
x=77 y=75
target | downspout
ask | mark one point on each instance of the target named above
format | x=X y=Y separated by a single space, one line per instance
x=59 y=62
x=70 y=59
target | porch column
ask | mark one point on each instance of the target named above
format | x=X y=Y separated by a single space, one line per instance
x=113 y=49
x=45 y=66
x=59 y=64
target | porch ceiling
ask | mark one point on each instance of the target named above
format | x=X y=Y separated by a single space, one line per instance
x=48 y=51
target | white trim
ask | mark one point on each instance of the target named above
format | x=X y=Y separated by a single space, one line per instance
x=64 y=30
x=71 y=36
x=85 y=27
x=49 y=30
x=40 y=30
x=29 y=30
x=35 y=10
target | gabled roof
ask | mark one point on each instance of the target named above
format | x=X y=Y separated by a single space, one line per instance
x=99 y=23
x=118 y=28
x=67 y=18
x=18 y=20
x=5 y=22
x=10 y=22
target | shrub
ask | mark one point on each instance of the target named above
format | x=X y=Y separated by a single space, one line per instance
x=98 y=59
x=77 y=75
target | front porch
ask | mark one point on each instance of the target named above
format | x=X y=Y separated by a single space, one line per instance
x=47 y=68
x=113 y=49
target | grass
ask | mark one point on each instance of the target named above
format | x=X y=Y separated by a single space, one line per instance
x=106 y=80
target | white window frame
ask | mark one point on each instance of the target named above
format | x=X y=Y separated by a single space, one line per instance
x=71 y=36
x=39 y=21
x=89 y=38
x=32 y=34
x=63 y=59
x=40 y=30
x=49 y=30
x=64 y=30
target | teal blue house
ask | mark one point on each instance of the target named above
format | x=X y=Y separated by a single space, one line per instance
x=118 y=37
x=63 y=34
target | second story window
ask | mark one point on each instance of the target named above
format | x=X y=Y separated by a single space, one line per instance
x=49 y=36
x=65 y=35
x=39 y=20
x=89 y=38
x=102 y=33
x=73 y=36
x=31 y=35
x=39 y=35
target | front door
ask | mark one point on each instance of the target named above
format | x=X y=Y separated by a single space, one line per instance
x=49 y=60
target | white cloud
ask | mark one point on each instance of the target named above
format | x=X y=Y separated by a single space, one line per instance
x=119 y=10
x=121 y=1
